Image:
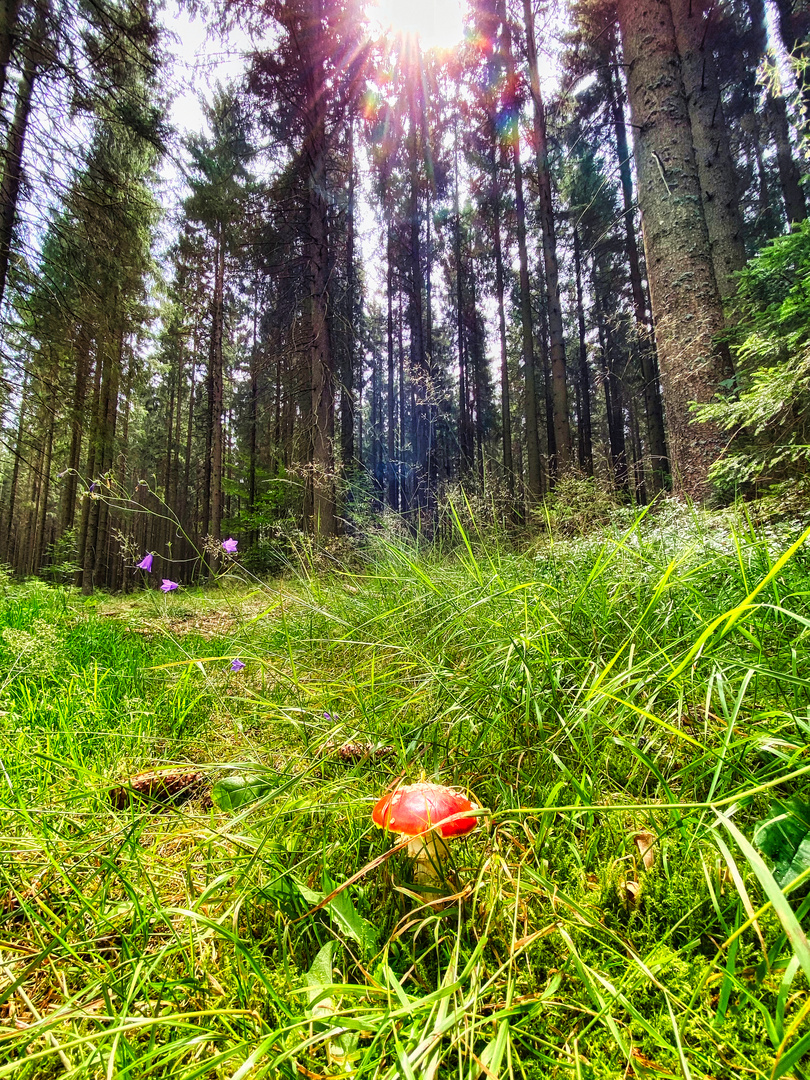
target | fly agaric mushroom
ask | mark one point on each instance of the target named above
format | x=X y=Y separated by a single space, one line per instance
x=414 y=808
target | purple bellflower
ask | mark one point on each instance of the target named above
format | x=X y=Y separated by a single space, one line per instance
x=168 y=586
x=230 y=545
x=236 y=664
x=145 y=563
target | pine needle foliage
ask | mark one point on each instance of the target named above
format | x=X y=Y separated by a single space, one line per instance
x=769 y=414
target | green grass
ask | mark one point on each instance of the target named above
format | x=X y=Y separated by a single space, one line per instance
x=648 y=678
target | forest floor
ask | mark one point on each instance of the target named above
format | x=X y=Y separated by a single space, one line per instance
x=626 y=707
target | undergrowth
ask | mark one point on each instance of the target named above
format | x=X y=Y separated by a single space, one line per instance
x=625 y=707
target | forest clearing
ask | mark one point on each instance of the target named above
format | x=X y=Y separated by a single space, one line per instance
x=626 y=708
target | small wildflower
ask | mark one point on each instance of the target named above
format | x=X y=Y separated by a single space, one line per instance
x=230 y=545
x=93 y=486
x=236 y=664
x=145 y=563
x=169 y=586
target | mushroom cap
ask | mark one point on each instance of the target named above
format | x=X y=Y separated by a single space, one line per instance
x=415 y=807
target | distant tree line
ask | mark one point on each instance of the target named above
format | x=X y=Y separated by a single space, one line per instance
x=549 y=287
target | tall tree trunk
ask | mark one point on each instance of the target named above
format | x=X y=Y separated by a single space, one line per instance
x=402 y=394
x=347 y=375
x=559 y=391
x=45 y=475
x=253 y=417
x=776 y=115
x=99 y=546
x=506 y=413
x=9 y=30
x=12 y=158
x=81 y=372
x=217 y=386
x=535 y=479
x=541 y=347
x=391 y=401
x=419 y=418
x=614 y=391
x=463 y=403
x=430 y=369
x=8 y=532
x=585 y=441
x=93 y=456
x=175 y=474
x=183 y=509
x=692 y=20
x=653 y=406
x=639 y=483
x=789 y=176
x=317 y=257
x=793 y=20
x=477 y=351
x=686 y=307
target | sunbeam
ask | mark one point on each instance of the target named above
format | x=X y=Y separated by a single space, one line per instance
x=438 y=23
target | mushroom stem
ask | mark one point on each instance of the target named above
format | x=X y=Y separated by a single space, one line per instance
x=428 y=853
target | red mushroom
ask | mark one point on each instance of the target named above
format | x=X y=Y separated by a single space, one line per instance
x=412 y=809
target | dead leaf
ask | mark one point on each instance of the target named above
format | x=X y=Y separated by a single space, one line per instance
x=629 y=892
x=642 y=1064
x=644 y=843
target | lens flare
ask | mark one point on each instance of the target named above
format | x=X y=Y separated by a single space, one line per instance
x=437 y=23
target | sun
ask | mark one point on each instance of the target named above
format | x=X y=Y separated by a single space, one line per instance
x=437 y=23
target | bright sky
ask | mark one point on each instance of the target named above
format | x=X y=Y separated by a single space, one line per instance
x=437 y=22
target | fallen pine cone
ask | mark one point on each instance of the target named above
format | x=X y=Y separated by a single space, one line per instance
x=354 y=751
x=160 y=787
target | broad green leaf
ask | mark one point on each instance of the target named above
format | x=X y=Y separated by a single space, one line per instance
x=318 y=979
x=236 y=791
x=784 y=836
x=319 y=983
x=343 y=912
x=787 y=917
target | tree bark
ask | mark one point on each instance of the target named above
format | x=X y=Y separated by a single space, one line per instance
x=347 y=376
x=686 y=306
x=419 y=418
x=81 y=372
x=8 y=532
x=614 y=390
x=316 y=254
x=646 y=347
x=9 y=16
x=12 y=159
x=793 y=20
x=777 y=121
x=392 y=494
x=692 y=19
x=506 y=412
x=253 y=417
x=561 y=463
x=217 y=385
x=464 y=424
x=535 y=479
x=789 y=176
x=585 y=442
